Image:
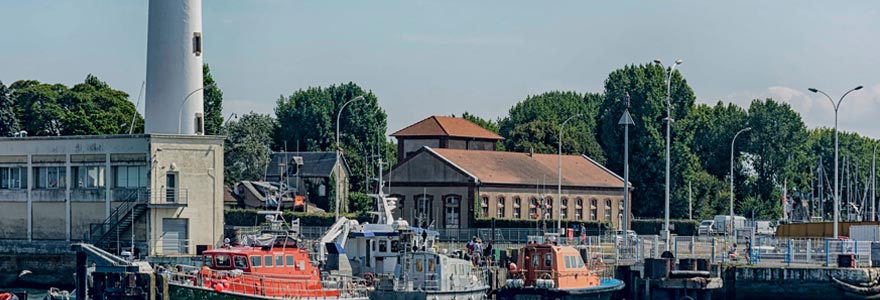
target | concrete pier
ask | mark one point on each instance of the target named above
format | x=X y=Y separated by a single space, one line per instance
x=802 y=283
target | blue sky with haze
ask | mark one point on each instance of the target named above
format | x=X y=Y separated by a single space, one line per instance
x=445 y=57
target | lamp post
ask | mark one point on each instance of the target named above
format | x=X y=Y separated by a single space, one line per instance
x=732 y=223
x=559 y=171
x=836 y=106
x=625 y=120
x=185 y=99
x=338 y=115
x=668 y=122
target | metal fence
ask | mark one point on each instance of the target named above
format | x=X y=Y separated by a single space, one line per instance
x=611 y=248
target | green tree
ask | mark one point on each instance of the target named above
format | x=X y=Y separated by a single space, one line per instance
x=534 y=123
x=213 y=105
x=646 y=86
x=248 y=140
x=715 y=126
x=777 y=144
x=307 y=121
x=8 y=121
x=88 y=108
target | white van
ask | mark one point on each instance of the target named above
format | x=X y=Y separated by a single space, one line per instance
x=722 y=224
x=765 y=228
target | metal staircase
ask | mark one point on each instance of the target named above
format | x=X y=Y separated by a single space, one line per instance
x=107 y=235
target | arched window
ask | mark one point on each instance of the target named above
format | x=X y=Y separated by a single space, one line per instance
x=594 y=209
x=607 y=210
x=517 y=204
x=424 y=210
x=451 y=211
x=579 y=209
x=484 y=206
x=500 y=206
x=533 y=208
x=564 y=208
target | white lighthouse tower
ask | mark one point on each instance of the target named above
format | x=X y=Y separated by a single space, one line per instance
x=174 y=99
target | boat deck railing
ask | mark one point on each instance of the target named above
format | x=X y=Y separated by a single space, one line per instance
x=276 y=286
x=433 y=282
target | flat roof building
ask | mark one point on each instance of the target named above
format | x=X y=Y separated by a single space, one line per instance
x=164 y=192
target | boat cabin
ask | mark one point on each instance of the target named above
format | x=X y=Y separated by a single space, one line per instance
x=563 y=265
x=427 y=270
x=261 y=260
x=376 y=248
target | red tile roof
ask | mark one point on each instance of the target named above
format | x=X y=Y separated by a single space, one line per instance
x=520 y=168
x=447 y=126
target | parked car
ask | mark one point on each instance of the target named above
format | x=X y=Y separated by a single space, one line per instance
x=707 y=227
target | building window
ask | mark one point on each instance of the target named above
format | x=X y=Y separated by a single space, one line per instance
x=548 y=207
x=130 y=176
x=501 y=207
x=607 y=210
x=484 y=206
x=533 y=208
x=50 y=177
x=88 y=177
x=13 y=178
x=517 y=202
x=564 y=209
x=594 y=209
x=453 y=204
x=424 y=210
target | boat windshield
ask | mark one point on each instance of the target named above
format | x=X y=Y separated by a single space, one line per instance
x=222 y=261
x=240 y=262
x=208 y=260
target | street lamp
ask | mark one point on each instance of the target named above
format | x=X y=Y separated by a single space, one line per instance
x=836 y=106
x=559 y=171
x=625 y=120
x=732 y=223
x=185 y=99
x=338 y=115
x=668 y=122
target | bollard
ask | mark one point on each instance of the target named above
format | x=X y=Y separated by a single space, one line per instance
x=674 y=246
x=713 y=250
x=692 y=246
x=827 y=254
x=809 y=250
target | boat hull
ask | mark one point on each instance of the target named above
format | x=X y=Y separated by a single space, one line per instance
x=475 y=294
x=179 y=291
x=600 y=292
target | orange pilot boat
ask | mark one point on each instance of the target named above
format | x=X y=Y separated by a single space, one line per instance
x=545 y=271
x=271 y=266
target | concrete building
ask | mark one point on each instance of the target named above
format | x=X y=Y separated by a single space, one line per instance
x=165 y=192
x=451 y=186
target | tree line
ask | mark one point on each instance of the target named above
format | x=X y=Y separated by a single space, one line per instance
x=778 y=156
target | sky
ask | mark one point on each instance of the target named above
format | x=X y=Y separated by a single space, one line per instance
x=424 y=58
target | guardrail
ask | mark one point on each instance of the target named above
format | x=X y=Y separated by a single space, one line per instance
x=765 y=250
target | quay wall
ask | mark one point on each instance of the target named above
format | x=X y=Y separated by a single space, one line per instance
x=781 y=282
x=51 y=263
